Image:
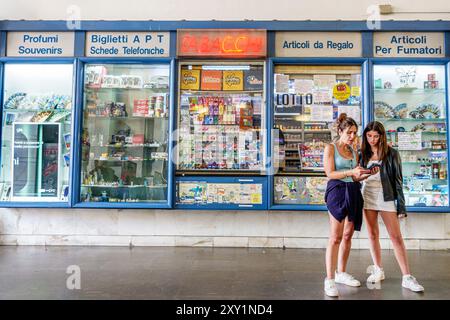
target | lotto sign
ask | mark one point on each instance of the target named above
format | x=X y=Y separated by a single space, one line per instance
x=341 y=91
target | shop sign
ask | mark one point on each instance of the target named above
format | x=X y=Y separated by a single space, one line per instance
x=221 y=43
x=341 y=91
x=318 y=44
x=127 y=44
x=40 y=44
x=408 y=44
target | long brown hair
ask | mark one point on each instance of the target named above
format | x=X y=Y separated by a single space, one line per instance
x=383 y=148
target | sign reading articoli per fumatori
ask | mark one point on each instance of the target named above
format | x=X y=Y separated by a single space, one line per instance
x=233 y=43
x=318 y=44
x=408 y=44
x=40 y=44
x=127 y=44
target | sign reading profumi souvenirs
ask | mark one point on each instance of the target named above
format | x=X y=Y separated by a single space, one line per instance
x=40 y=44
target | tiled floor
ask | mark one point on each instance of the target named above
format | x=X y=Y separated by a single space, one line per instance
x=204 y=273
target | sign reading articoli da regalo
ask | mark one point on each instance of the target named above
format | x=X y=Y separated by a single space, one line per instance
x=408 y=44
x=221 y=43
x=318 y=44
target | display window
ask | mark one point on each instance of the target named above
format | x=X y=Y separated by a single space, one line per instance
x=36 y=132
x=306 y=103
x=410 y=101
x=125 y=133
x=221 y=117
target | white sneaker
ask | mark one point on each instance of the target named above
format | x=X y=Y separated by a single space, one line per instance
x=409 y=282
x=347 y=279
x=376 y=274
x=330 y=288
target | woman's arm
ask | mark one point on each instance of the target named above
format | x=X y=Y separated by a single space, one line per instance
x=364 y=173
x=398 y=178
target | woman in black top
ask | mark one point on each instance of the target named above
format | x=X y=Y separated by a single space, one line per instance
x=383 y=194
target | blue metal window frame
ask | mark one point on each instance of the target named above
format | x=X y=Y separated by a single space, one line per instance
x=19 y=60
x=172 y=26
x=227 y=179
x=273 y=62
x=445 y=62
x=77 y=168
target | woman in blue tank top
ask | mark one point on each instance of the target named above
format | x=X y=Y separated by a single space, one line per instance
x=344 y=202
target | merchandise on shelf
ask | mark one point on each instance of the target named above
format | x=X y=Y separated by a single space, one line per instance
x=219 y=122
x=417 y=128
x=125 y=134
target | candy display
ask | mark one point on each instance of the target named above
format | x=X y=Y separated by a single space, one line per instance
x=218 y=130
x=125 y=134
x=419 y=119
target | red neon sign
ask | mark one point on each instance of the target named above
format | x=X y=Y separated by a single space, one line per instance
x=222 y=43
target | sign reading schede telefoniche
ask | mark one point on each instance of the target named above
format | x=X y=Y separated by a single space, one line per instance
x=40 y=44
x=408 y=44
x=318 y=44
x=127 y=44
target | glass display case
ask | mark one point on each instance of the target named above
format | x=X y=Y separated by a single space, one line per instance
x=410 y=101
x=307 y=102
x=220 y=118
x=125 y=134
x=223 y=193
x=36 y=132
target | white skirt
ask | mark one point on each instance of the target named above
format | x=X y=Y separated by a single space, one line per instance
x=374 y=200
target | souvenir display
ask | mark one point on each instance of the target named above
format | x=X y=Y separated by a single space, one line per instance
x=37 y=116
x=417 y=128
x=125 y=133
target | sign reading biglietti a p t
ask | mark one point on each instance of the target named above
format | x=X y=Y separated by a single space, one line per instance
x=127 y=44
x=40 y=44
x=408 y=44
x=318 y=44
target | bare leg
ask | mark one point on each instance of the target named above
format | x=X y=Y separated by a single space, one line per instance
x=346 y=245
x=393 y=228
x=336 y=231
x=374 y=235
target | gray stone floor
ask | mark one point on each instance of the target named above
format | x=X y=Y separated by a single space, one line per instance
x=205 y=273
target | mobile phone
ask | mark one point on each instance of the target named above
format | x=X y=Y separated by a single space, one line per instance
x=374 y=165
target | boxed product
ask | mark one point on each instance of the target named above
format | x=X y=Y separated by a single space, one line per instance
x=140 y=107
x=233 y=80
x=431 y=76
x=190 y=79
x=138 y=139
x=211 y=80
x=253 y=79
x=94 y=76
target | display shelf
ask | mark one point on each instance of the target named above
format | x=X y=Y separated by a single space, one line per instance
x=128 y=117
x=122 y=160
x=156 y=90
x=220 y=92
x=411 y=119
x=423 y=132
x=410 y=90
x=38 y=110
x=124 y=186
x=125 y=146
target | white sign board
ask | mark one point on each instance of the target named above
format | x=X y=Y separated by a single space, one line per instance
x=127 y=44
x=318 y=44
x=40 y=44
x=409 y=141
x=408 y=44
